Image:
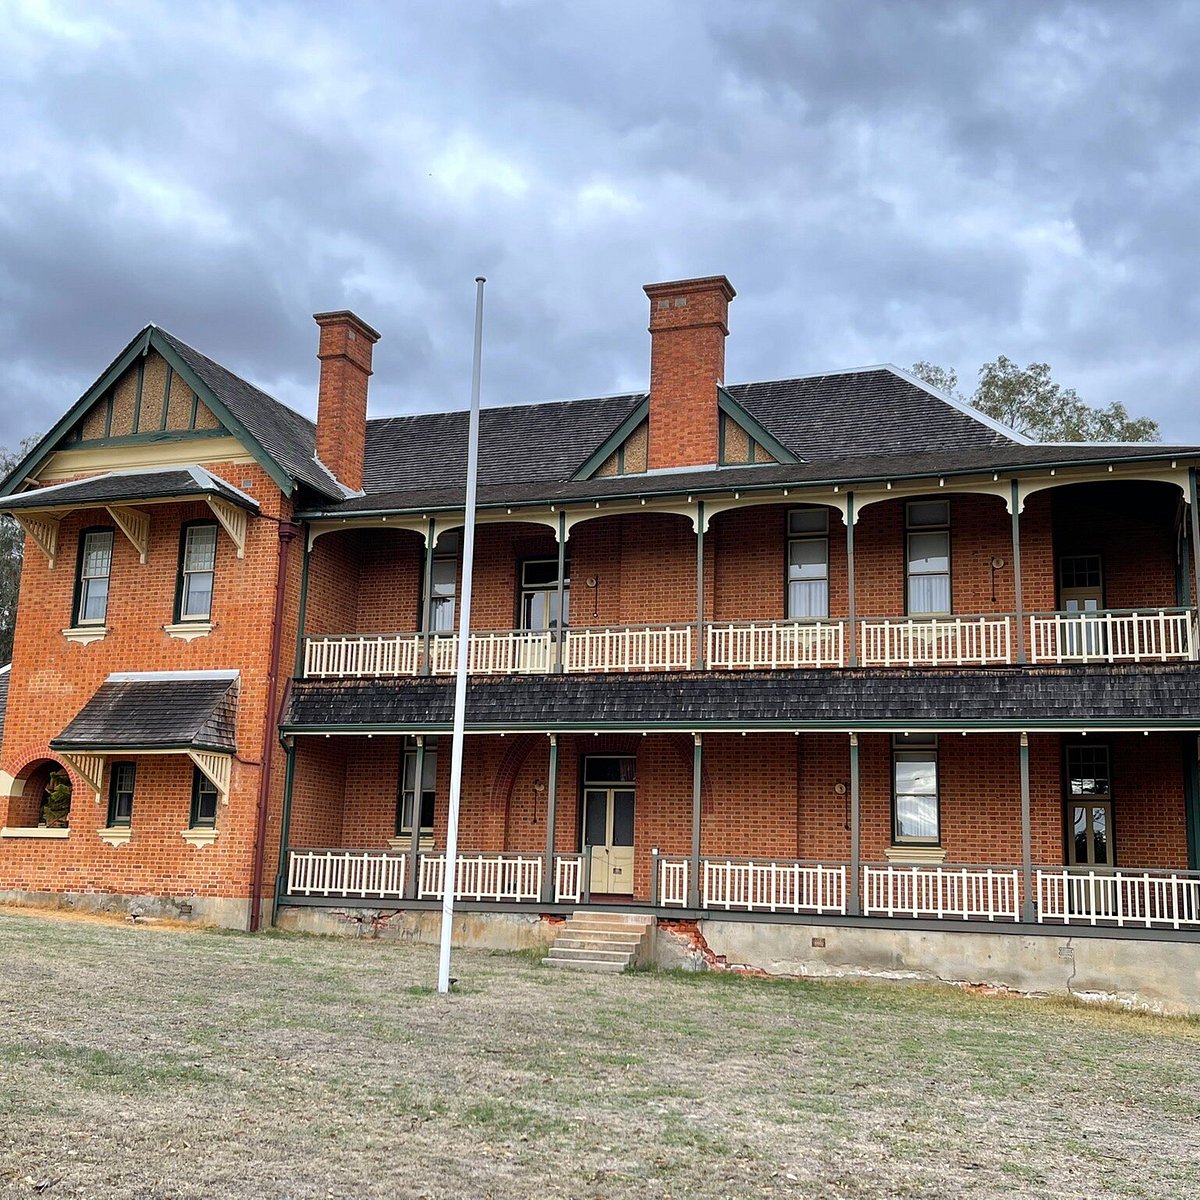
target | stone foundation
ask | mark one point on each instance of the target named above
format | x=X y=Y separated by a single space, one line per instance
x=472 y=930
x=223 y=912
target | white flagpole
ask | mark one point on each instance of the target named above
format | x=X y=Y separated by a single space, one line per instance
x=460 y=674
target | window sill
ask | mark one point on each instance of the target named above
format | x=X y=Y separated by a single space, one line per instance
x=916 y=856
x=119 y=835
x=32 y=831
x=85 y=634
x=187 y=631
x=424 y=846
x=199 y=837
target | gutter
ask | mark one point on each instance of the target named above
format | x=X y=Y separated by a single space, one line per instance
x=288 y=533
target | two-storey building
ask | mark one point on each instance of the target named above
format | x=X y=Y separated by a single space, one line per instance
x=829 y=651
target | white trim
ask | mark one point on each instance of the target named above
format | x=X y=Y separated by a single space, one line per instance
x=915 y=855
x=33 y=831
x=85 y=634
x=116 y=835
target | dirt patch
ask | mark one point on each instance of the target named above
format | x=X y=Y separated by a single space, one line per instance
x=222 y=1065
x=68 y=913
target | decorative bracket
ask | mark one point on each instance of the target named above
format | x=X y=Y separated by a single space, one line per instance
x=43 y=532
x=216 y=768
x=90 y=768
x=135 y=525
x=233 y=520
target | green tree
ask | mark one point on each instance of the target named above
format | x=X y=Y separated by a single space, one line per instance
x=12 y=549
x=1028 y=400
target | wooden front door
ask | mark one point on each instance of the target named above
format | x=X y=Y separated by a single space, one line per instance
x=1089 y=808
x=1081 y=591
x=608 y=832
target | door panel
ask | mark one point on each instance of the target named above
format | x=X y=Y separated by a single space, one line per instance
x=608 y=830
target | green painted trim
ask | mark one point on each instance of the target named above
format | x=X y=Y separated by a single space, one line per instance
x=614 y=441
x=756 y=431
x=137 y=400
x=302 y=616
x=891 y=726
x=285 y=827
x=108 y=403
x=166 y=405
x=195 y=412
x=168 y=748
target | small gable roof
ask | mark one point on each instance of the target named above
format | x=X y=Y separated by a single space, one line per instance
x=124 y=487
x=283 y=442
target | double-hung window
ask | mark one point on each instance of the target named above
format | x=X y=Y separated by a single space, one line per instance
x=915 y=813
x=204 y=801
x=808 y=563
x=443 y=584
x=197 y=563
x=928 y=558
x=95 y=566
x=120 y=794
x=409 y=789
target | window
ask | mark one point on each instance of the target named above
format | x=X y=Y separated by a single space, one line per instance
x=197 y=560
x=204 y=801
x=443 y=584
x=539 y=594
x=120 y=794
x=408 y=787
x=1089 y=807
x=808 y=563
x=915 y=816
x=928 y=557
x=95 y=566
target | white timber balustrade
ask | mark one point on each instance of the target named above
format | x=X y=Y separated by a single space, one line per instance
x=934 y=641
x=568 y=878
x=1141 y=635
x=963 y=893
x=1150 y=899
x=348 y=874
x=628 y=648
x=672 y=882
x=773 y=645
x=362 y=656
x=789 y=886
x=500 y=877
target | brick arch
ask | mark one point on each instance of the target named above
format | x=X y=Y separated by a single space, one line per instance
x=28 y=762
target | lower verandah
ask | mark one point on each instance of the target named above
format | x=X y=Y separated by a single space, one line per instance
x=770 y=798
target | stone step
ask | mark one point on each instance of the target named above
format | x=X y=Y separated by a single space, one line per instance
x=604 y=935
x=559 y=951
x=584 y=964
x=598 y=927
x=591 y=943
x=634 y=920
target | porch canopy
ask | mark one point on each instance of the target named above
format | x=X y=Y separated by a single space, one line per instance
x=156 y=712
x=39 y=510
x=1067 y=699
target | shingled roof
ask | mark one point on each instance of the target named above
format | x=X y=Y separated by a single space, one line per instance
x=120 y=487
x=1014 y=698
x=167 y=710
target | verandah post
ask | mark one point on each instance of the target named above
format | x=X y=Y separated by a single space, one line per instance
x=1027 y=913
x=427 y=600
x=851 y=613
x=694 y=866
x=285 y=826
x=699 y=655
x=1195 y=507
x=414 y=851
x=561 y=634
x=1018 y=596
x=548 y=888
x=855 y=897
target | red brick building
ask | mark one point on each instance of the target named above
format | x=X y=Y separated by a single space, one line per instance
x=832 y=647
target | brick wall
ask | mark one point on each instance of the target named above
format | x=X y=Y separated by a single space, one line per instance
x=52 y=678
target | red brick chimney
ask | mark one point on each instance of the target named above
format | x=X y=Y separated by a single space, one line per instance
x=688 y=327
x=345 y=354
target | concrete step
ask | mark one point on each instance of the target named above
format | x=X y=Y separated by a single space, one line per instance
x=603 y=935
x=629 y=949
x=627 y=920
x=602 y=930
x=595 y=954
x=584 y=964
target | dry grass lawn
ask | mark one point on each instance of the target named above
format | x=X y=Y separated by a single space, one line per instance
x=139 y=1062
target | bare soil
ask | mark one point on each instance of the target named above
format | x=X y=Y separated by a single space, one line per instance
x=151 y=1063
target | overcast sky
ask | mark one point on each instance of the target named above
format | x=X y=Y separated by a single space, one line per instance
x=881 y=182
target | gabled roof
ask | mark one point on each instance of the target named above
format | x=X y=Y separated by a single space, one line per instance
x=123 y=487
x=283 y=442
x=163 y=710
